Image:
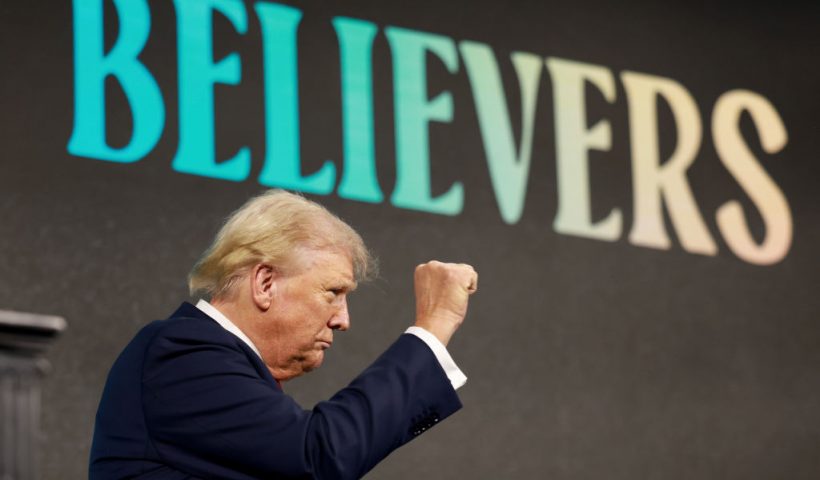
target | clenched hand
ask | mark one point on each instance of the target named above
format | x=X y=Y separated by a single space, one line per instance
x=442 y=294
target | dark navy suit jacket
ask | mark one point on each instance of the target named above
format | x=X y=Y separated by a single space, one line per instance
x=187 y=399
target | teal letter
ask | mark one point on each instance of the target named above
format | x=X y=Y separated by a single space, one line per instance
x=359 y=180
x=92 y=66
x=197 y=75
x=413 y=112
x=508 y=171
x=282 y=163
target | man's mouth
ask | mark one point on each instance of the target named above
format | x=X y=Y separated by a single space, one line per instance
x=325 y=344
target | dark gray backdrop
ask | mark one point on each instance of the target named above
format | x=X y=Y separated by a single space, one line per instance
x=586 y=359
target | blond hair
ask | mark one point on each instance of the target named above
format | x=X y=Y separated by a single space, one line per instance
x=271 y=228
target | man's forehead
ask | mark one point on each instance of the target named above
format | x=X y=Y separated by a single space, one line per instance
x=335 y=262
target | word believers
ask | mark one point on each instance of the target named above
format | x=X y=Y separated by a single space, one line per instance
x=656 y=182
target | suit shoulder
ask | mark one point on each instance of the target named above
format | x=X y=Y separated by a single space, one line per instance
x=194 y=344
x=184 y=330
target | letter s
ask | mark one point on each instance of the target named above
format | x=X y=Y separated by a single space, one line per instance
x=752 y=177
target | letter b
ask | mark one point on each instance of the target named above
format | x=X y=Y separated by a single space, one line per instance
x=91 y=68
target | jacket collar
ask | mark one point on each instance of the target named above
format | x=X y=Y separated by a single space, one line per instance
x=187 y=310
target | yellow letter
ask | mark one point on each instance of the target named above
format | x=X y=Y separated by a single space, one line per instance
x=652 y=182
x=742 y=164
x=573 y=140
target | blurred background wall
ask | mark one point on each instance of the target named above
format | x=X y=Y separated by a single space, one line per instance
x=635 y=182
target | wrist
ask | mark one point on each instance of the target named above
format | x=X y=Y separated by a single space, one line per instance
x=442 y=330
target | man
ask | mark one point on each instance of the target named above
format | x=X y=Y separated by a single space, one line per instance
x=199 y=395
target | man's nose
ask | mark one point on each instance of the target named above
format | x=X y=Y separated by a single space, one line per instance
x=341 y=320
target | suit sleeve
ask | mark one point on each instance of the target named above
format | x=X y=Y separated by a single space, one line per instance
x=210 y=414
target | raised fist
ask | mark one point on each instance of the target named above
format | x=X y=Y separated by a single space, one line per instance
x=442 y=293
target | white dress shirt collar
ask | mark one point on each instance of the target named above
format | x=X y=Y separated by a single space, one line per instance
x=228 y=325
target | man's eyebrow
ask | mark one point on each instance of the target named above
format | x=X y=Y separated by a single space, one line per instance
x=347 y=286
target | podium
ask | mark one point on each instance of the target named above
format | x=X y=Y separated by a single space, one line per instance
x=24 y=338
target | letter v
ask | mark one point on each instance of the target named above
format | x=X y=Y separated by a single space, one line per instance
x=509 y=170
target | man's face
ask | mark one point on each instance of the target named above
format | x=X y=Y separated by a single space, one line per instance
x=309 y=302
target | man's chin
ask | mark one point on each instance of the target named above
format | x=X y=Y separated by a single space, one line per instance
x=316 y=362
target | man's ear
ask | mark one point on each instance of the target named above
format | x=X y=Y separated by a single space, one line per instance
x=263 y=285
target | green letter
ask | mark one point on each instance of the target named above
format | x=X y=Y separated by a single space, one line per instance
x=92 y=66
x=413 y=112
x=359 y=180
x=508 y=170
x=197 y=75
x=282 y=160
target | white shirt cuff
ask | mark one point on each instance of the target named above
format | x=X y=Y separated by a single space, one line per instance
x=456 y=376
